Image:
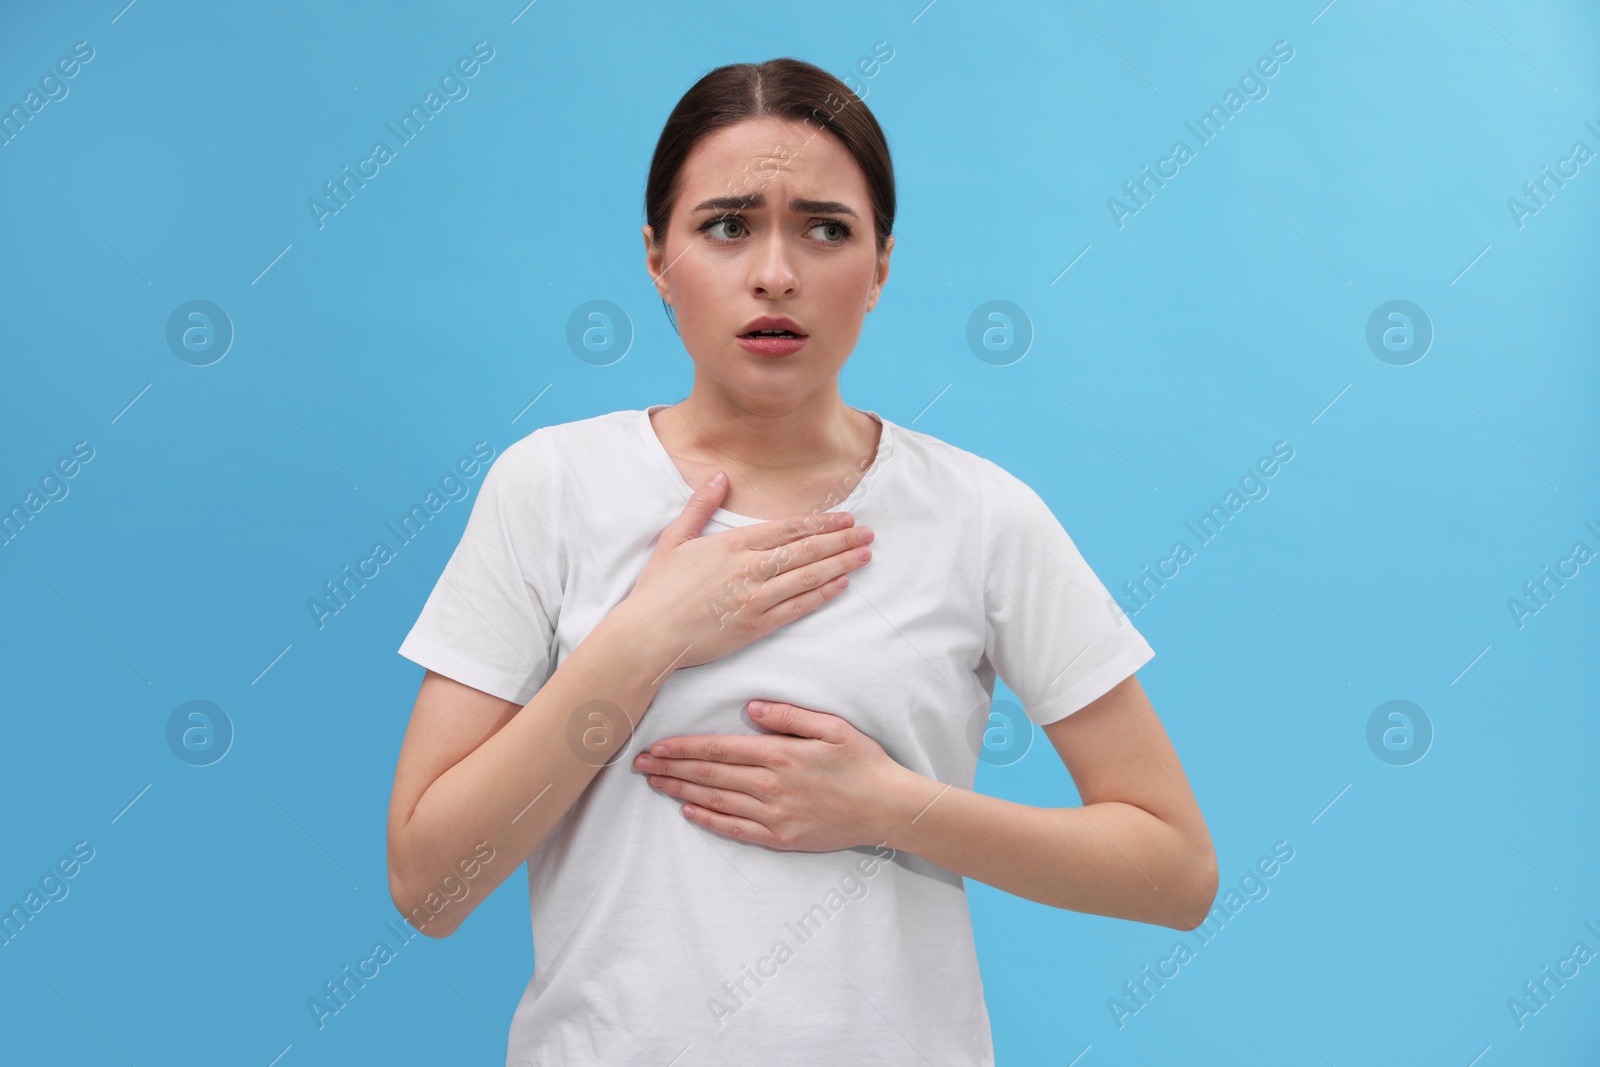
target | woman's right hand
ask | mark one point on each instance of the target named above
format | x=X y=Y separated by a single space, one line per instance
x=706 y=596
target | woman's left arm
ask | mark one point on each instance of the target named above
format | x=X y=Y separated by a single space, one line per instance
x=1137 y=849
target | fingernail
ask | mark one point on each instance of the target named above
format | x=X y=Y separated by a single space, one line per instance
x=757 y=709
x=717 y=478
x=659 y=750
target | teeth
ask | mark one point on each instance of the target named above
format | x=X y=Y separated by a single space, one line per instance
x=771 y=333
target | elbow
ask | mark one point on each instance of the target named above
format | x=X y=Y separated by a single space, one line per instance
x=421 y=918
x=432 y=928
x=421 y=910
x=1200 y=891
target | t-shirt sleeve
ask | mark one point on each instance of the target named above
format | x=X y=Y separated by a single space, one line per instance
x=490 y=621
x=1055 y=635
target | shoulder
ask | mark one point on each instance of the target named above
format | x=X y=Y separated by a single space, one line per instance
x=537 y=479
x=934 y=455
x=986 y=486
x=545 y=451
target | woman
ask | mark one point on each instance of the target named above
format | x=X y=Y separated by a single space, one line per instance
x=735 y=744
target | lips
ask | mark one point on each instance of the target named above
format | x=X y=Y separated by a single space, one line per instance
x=770 y=344
x=770 y=326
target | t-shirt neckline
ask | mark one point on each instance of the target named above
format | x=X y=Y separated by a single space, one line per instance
x=658 y=452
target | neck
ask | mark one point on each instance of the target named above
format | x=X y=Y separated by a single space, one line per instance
x=778 y=437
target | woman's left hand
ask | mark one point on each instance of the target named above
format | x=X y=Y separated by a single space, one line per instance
x=817 y=784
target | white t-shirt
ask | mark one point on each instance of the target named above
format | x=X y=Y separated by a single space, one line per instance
x=654 y=937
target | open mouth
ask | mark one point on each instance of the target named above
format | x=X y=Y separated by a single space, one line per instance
x=772 y=333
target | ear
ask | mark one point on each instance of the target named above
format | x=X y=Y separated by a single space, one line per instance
x=654 y=258
x=882 y=274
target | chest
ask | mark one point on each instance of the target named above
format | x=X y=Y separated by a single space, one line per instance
x=899 y=654
x=766 y=496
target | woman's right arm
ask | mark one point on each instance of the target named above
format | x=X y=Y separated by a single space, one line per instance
x=481 y=781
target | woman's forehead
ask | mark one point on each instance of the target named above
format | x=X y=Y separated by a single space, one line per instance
x=772 y=158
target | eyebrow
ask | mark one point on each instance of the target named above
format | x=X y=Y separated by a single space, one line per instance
x=759 y=200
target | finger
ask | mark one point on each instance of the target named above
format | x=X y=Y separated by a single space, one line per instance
x=803 y=590
x=702 y=504
x=776 y=532
x=813 y=560
x=732 y=749
x=854 y=540
x=731 y=826
x=797 y=721
x=751 y=781
x=724 y=801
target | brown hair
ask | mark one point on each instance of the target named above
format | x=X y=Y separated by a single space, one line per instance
x=783 y=88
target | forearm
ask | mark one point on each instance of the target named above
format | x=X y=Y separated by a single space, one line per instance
x=505 y=797
x=1110 y=858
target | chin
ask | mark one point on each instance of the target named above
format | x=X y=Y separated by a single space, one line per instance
x=780 y=385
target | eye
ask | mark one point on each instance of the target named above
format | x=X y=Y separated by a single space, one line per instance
x=844 y=230
x=723 y=220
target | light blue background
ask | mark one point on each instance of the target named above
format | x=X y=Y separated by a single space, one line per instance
x=1228 y=314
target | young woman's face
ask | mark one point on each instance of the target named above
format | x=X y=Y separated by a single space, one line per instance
x=772 y=218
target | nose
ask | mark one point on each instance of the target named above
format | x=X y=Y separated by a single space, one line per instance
x=772 y=272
